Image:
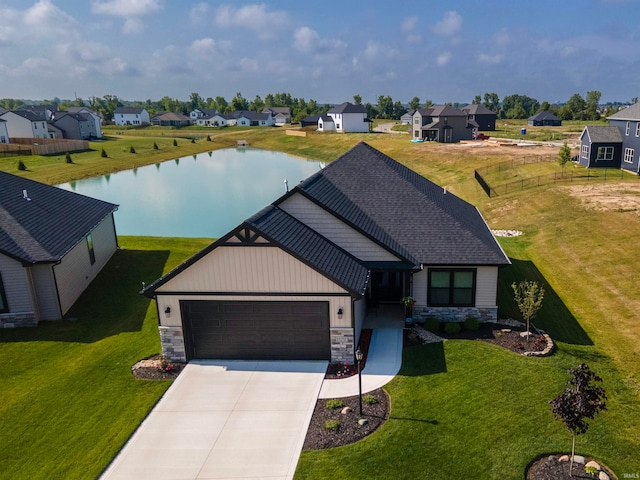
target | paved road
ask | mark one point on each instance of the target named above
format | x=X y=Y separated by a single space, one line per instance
x=386 y=128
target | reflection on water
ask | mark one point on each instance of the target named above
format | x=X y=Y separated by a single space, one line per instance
x=201 y=196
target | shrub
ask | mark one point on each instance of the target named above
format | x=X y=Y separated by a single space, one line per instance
x=431 y=324
x=193 y=140
x=175 y=142
x=67 y=158
x=334 y=403
x=103 y=154
x=332 y=425
x=131 y=149
x=472 y=323
x=21 y=166
x=208 y=138
x=452 y=327
x=370 y=399
x=155 y=146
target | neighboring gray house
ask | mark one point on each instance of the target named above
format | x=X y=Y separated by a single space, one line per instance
x=616 y=145
x=310 y=121
x=96 y=117
x=444 y=124
x=76 y=126
x=170 y=119
x=4 y=133
x=281 y=115
x=485 y=118
x=53 y=243
x=297 y=279
x=544 y=119
x=407 y=118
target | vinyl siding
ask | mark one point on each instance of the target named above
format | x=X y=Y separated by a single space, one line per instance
x=16 y=285
x=44 y=284
x=75 y=272
x=335 y=230
x=486 y=286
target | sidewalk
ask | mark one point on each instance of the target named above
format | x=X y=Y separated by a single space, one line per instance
x=383 y=363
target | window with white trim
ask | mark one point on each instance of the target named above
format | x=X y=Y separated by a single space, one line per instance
x=628 y=129
x=638 y=129
x=628 y=155
x=92 y=253
x=605 y=153
x=4 y=306
x=451 y=287
x=584 y=152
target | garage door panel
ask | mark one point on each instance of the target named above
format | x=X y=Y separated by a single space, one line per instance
x=257 y=330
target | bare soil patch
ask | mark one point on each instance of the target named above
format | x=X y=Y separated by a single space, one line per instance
x=608 y=197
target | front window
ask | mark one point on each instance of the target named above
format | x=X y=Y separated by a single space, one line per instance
x=452 y=287
x=416 y=121
x=585 y=151
x=628 y=155
x=4 y=307
x=628 y=128
x=638 y=129
x=605 y=153
x=92 y=253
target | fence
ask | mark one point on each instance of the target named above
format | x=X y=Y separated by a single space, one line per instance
x=601 y=174
x=43 y=146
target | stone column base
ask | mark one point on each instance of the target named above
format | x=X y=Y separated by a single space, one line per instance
x=172 y=342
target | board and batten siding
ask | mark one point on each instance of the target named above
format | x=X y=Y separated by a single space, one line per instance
x=74 y=273
x=486 y=285
x=335 y=230
x=17 y=286
x=360 y=312
x=45 y=286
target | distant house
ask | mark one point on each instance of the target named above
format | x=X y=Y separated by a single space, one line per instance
x=627 y=121
x=310 y=121
x=485 y=118
x=249 y=118
x=202 y=116
x=25 y=124
x=544 y=119
x=444 y=124
x=53 y=243
x=407 y=118
x=326 y=124
x=349 y=118
x=170 y=119
x=95 y=116
x=600 y=146
x=297 y=279
x=4 y=133
x=131 y=116
x=281 y=115
x=76 y=126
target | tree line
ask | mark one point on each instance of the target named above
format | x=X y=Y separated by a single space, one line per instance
x=514 y=106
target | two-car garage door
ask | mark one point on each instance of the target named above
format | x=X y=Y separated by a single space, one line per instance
x=256 y=330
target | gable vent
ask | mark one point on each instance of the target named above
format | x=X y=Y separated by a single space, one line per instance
x=25 y=196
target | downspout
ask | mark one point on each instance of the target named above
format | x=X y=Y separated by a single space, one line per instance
x=34 y=297
x=55 y=284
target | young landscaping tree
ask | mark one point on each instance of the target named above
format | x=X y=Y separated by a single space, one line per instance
x=155 y=146
x=175 y=142
x=131 y=149
x=21 y=166
x=579 y=401
x=67 y=158
x=564 y=155
x=193 y=140
x=103 y=154
x=528 y=296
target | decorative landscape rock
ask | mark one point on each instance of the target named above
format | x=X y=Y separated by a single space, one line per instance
x=594 y=464
x=363 y=421
x=346 y=410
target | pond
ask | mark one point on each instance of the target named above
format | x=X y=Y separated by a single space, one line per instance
x=204 y=195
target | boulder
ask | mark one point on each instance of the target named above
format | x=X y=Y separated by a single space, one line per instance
x=346 y=410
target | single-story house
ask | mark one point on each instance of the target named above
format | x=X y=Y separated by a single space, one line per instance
x=53 y=243
x=310 y=121
x=170 y=119
x=544 y=119
x=281 y=115
x=297 y=279
x=248 y=118
x=600 y=146
x=485 y=118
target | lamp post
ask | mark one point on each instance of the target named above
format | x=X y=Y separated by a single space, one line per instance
x=359 y=359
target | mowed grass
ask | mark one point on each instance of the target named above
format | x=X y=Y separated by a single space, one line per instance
x=69 y=400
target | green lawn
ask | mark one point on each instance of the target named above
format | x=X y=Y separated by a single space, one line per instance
x=469 y=410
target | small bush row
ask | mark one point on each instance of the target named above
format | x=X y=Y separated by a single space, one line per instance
x=433 y=325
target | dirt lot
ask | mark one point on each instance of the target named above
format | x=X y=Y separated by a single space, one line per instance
x=608 y=196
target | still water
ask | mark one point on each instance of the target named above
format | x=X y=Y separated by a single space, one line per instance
x=205 y=195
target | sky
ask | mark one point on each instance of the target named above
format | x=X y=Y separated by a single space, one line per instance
x=329 y=51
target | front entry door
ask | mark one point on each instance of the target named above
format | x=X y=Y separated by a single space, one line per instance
x=386 y=286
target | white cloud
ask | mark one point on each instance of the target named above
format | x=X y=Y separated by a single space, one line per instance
x=502 y=38
x=409 y=24
x=254 y=17
x=199 y=13
x=443 y=59
x=490 y=59
x=308 y=41
x=132 y=26
x=46 y=15
x=126 y=8
x=449 y=25
x=207 y=48
x=378 y=51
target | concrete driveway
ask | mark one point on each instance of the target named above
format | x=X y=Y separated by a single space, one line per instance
x=225 y=420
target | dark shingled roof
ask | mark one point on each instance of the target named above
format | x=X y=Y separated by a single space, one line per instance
x=543 y=116
x=402 y=210
x=46 y=227
x=128 y=110
x=311 y=248
x=603 y=134
x=478 y=109
x=347 y=107
x=629 y=113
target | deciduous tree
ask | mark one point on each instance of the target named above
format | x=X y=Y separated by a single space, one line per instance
x=528 y=297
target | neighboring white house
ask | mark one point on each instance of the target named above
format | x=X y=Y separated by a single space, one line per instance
x=326 y=124
x=349 y=118
x=131 y=116
x=298 y=279
x=4 y=134
x=53 y=243
x=202 y=116
x=25 y=124
x=248 y=118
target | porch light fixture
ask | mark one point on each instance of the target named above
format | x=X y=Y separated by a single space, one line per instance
x=339 y=312
x=167 y=312
x=359 y=359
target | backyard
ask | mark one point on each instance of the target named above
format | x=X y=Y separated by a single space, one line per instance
x=461 y=409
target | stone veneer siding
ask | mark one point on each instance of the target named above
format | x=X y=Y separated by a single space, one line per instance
x=457 y=314
x=172 y=342
x=12 y=320
x=341 y=345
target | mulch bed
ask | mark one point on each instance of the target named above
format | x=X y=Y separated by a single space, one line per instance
x=318 y=437
x=549 y=468
x=149 y=369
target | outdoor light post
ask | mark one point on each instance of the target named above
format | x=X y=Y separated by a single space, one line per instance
x=359 y=358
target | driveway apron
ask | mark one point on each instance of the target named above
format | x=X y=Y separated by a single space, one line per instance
x=225 y=420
